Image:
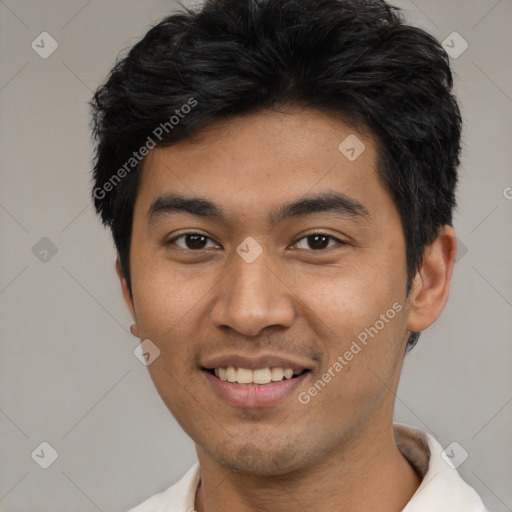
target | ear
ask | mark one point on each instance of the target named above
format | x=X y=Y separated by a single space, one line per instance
x=431 y=285
x=127 y=296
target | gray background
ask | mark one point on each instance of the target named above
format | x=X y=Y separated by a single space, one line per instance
x=68 y=375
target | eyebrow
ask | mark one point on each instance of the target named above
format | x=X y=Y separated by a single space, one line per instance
x=336 y=202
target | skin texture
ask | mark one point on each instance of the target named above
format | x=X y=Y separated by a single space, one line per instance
x=336 y=452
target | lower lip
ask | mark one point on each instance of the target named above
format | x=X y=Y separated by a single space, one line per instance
x=254 y=395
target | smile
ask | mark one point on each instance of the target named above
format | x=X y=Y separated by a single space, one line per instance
x=254 y=388
x=258 y=376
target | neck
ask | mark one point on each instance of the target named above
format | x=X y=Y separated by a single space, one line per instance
x=365 y=473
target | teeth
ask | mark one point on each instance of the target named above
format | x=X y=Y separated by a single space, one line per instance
x=277 y=374
x=259 y=376
x=230 y=374
x=243 y=376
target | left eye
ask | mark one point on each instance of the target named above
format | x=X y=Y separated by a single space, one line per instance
x=317 y=241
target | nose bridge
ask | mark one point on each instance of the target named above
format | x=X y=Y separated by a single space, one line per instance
x=252 y=297
x=253 y=280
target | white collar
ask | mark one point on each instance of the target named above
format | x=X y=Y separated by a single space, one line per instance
x=442 y=489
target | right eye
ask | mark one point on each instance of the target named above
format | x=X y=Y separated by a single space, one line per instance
x=191 y=241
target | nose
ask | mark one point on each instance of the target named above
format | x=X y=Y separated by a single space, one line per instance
x=253 y=297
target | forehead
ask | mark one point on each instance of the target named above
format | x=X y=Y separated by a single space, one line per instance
x=252 y=164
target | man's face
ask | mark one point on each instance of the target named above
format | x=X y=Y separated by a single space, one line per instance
x=300 y=304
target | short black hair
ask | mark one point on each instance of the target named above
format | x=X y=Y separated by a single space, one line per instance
x=356 y=59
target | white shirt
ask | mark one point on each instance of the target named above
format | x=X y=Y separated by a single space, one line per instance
x=441 y=490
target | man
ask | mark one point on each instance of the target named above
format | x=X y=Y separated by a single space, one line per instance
x=279 y=177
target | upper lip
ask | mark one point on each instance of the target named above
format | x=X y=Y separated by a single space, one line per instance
x=253 y=362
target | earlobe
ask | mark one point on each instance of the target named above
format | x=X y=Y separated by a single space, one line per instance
x=134 y=330
x=128 y=299
x=431 y=286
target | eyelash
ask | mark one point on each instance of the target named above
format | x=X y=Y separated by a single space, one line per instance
x=172 y=240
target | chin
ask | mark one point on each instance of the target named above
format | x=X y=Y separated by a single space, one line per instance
x=261 y=459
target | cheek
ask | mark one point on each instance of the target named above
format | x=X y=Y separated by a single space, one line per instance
x=361 y=317
x=163 y=298
x=353 y=298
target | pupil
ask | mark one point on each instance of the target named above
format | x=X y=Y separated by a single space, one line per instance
x=195 y=241
x=324 y=241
